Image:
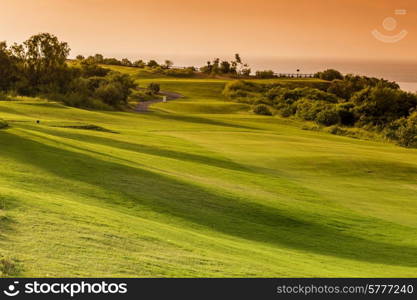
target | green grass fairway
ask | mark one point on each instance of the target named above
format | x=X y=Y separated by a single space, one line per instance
x=199 y=187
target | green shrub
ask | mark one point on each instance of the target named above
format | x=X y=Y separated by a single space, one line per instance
x=328 y=117
x=153 y=88
x=110 y=94
x=308 y=110
x=379 y=106
x=346 y=115
x=262 y=109
x=3 y=124
x=152 y=64
x=329 y=75
x=404 y=131
x=115 y=90
x=287 y=111
x=290 y=96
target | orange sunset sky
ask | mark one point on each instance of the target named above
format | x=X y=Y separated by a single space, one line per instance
x=279 y=28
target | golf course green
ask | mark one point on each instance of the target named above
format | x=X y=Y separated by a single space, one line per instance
x=198 y=187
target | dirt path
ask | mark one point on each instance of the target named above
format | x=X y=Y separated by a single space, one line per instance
x=144 y=106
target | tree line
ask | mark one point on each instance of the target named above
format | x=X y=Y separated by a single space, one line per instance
x=100 y=59
x=38 y=67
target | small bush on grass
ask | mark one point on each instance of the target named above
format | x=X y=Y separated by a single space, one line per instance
x=262 y=109
x=3 y=124
x=404 y=131
x=153 y=88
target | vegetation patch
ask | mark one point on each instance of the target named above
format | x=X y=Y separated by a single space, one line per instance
x=87 y=127
x=3 y=124
x=262 y=109
x=375 y=105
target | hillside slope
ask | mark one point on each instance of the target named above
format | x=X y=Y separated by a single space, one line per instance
x=199 y=187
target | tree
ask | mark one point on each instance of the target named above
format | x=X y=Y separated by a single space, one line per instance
x=239 y=67
x=41 y=63
x=43 y=56
x=115 y=89
x=139 y=64
x=99 y=58
x=225 y=67
x=168 y=64
x=126 y=62
x=238 y=59
x=207 y=68
x=245 y=71
x=80 y=57
x=215 y=68
x=153 y=64
x=112 y=61
x=153 y=88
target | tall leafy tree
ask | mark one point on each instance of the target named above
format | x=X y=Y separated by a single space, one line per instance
x=42 y=58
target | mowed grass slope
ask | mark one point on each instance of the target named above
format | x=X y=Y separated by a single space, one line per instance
x=199 y=187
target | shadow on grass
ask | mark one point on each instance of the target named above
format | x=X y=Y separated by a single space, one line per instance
x=146 y=149
x=196 y=205
x=199 y=120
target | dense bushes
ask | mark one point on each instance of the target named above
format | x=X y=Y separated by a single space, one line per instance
x=308 y=110
x=112 y=90
x=351 y=84
x=328 y=117
x=404 y=131
x=262 y=109
x=373 y=104
x=379 y=106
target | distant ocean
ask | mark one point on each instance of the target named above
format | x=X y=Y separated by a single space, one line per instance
x=404 y=73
